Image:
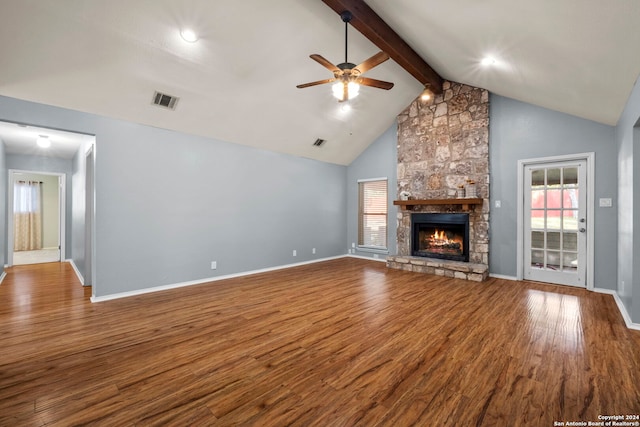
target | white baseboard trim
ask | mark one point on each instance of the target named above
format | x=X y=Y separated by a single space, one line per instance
x=367 y=258
x=75 y=268
x=621 y=307
x=206 y=280
x=502 y=276
x=2 y=276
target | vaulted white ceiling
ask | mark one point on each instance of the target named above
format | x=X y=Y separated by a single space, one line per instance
x=237 y=83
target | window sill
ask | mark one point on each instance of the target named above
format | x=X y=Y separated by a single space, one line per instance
x=373 y=250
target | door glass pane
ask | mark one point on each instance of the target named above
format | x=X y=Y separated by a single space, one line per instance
x=570 y=176
x=537 y=219
x=537 y=258
x=553 y=240
x=537 y=199
x=570 y=198
x=570 y=241
x=537 y=177
x=537 y=239
x=553 y=177
x=554 y=199
x=553 y=260
x=570 y=219
x=553 y=219
x=570 y=261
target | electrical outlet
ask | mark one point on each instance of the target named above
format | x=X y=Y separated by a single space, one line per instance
x=295 y=253
x=353 y=245
x=498 y=204
x=313 y=251
x=214 y=265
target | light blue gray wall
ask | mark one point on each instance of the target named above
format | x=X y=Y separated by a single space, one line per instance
x=47 y=164
x=379 y=160
x=628 y=139
x=523 y=131
x=3 y=207
x=167 y=203
x=78 y=211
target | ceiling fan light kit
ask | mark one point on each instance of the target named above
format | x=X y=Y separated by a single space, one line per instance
x=353 y=89
x=347 y=77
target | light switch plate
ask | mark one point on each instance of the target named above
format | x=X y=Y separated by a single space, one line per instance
x=605 y=203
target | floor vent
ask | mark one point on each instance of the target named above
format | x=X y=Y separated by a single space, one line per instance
x=319 y=142
x=164 y=100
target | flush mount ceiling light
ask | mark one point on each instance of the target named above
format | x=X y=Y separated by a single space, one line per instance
x=188 y=35
x=43 y=141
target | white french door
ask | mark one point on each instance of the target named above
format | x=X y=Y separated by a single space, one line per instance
x=555 y=222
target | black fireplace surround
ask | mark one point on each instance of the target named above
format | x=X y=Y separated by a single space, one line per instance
x=440 y=235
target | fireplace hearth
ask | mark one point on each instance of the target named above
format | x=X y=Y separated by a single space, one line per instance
x=440 y=235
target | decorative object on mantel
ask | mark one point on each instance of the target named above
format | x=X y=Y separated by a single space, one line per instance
x=405 y=195
x=465 y=203
x=470 y=190
x=460 y=192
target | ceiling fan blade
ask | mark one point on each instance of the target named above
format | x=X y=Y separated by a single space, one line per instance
x=319 y=82
x=374 y=83
x=325 y=63
x=368 y=64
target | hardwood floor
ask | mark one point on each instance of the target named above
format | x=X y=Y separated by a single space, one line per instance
x=338 y=343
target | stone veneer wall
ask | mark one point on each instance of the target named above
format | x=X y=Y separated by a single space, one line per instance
x=441 y=144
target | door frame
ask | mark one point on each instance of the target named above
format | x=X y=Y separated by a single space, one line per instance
x=589 y=158
x=89 y=215
x=62 y=210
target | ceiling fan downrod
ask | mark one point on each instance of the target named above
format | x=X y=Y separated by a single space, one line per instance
x=346 y=18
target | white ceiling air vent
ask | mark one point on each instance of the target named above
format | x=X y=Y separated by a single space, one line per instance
x=164 y=100
x=319 y=142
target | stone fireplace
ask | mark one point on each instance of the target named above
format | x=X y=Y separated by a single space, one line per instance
x=443 y=144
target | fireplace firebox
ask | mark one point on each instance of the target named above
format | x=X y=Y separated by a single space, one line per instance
x=440 y=235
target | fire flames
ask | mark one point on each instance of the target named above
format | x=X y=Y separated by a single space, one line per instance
x=440 y=240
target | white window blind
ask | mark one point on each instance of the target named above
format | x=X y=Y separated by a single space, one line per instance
x=372 y=214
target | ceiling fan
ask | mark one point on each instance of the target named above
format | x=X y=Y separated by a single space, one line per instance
x=348 y=76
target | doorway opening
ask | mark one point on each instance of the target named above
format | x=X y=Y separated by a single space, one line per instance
x=36 y=217
x=51 y=154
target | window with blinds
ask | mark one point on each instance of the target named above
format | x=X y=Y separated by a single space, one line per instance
x=372 y=214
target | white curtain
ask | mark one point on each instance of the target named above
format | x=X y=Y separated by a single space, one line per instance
x=27 y=216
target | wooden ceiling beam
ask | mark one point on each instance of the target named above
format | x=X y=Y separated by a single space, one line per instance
x=373 y=27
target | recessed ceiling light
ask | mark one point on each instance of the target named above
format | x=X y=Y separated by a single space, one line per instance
x=189 y=35
x=43 y=141
x=487 y=61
